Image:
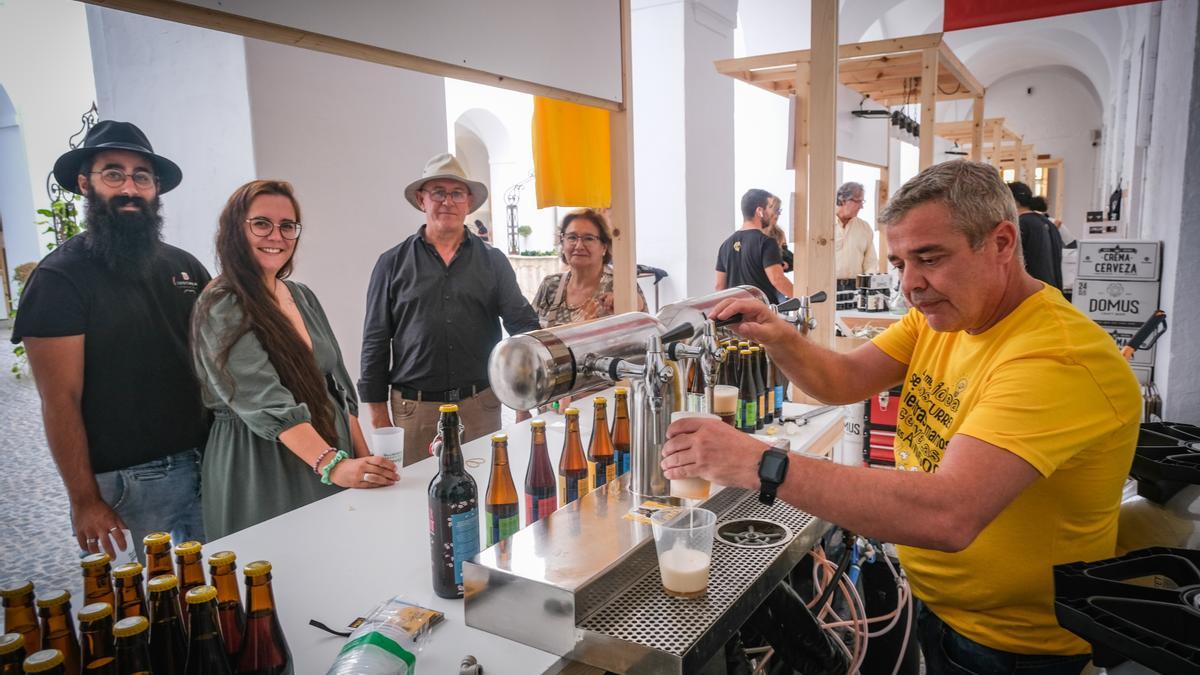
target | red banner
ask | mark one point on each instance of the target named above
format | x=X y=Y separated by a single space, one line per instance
x=962 y=14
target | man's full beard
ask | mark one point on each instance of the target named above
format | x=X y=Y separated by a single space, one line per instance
x=124 y=242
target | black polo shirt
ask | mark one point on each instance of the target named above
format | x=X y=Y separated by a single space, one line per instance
x=431 y=326
x=141 y=400
x=744 y=257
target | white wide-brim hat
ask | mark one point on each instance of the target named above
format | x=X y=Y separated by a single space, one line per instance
x=447 y=167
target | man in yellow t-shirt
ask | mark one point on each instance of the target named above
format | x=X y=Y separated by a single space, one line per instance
x=1016 y=430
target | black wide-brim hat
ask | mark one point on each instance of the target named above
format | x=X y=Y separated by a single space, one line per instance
x=110 y=135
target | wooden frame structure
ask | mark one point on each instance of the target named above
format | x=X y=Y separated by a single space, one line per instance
x=997 y=144
x=919 y=69
x=621 y=134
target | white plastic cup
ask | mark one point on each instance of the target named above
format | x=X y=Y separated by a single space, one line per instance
x=389 y=442
x=683 y=537
x=691 y=488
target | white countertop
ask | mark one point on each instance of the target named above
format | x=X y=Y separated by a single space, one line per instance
x=335 y=559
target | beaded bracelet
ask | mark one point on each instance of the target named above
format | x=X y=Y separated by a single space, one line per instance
x=320 y=458
x=341 y=454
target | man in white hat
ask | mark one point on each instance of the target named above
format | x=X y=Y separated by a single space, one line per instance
x=434 y=308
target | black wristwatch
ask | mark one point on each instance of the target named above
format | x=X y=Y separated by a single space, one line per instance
x=772 y=469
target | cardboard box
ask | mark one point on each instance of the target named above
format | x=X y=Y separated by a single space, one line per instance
x=1115 y=302
x=1144 y=374
x=1122 y=335
x=1131 y=260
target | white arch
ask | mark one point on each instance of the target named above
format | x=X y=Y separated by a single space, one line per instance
x=490 y=129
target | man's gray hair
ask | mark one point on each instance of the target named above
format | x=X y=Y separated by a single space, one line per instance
x=977 y=198
x=849 y=191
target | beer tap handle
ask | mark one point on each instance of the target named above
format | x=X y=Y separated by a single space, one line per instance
x=819 y=296
x=789 y=305
x=729 y=321
x=681 y=332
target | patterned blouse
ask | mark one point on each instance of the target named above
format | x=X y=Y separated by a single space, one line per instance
x=552 y=309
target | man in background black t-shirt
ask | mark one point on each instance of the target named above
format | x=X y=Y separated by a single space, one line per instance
x=751 y=256
x=1041 y=244
x=104 y=319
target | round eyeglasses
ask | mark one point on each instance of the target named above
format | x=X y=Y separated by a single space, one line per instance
x=262 y=227
x=115 y=178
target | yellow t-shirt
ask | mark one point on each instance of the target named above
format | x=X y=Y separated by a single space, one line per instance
x=1048 y=385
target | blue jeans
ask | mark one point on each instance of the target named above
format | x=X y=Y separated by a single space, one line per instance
x=159 y=495
x=949 y=653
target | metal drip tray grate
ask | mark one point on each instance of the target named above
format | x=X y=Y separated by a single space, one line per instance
x=677 y=635
x=753 y=533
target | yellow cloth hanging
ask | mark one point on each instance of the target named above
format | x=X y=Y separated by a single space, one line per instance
x=571 y=154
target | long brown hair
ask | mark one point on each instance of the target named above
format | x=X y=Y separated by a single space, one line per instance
x=241 y=277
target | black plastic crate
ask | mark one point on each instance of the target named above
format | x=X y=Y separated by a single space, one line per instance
x=1167 y=458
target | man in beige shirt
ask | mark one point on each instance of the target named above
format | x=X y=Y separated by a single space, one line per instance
x=854 y=241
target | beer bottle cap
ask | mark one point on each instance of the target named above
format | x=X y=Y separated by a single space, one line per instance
x=130 y=626
x=499 y=438
x=188 y=548
x=95 y=560
x=755 y=348
x=16 y=589
x=11 y=642
x=131 y=569
x=162 y=582
x=95 y=610
x=54 y=598
x=620 y=391
x=222 y=558
x=200 y=594
x=40 y=662
x=745 y=352
x=599 y=400
x=448 y=408
x=157 y=539
x=257 y=568
x=537 y=424
x=571 y=411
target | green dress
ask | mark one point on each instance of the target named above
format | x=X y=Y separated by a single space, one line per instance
x=248 y=476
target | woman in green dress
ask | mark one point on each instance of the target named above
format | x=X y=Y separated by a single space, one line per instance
x=285 y=430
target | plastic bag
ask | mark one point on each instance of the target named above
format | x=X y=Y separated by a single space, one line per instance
x=387 y=642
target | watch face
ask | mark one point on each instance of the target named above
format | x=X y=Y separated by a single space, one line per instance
x=772 y=467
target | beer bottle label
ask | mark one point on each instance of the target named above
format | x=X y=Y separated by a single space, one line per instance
x=464 y=535
x=750 y=415
x=622 y=462
x=600 y=475
x=500 y=522
x=571 y=489
x=537 y=508
x=770 y=400
x=779 y=399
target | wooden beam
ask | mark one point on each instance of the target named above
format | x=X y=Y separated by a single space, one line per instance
x=977 y=129
x=192 y=15
x=881 y=198
x=997 y=141
x=823 y=165
x=913 y=43
x=748 y=63
x=1030 y=166
x=621 y=144
x=950 y=62
x=1058 y=188
x=800 y=163
x=929 y=76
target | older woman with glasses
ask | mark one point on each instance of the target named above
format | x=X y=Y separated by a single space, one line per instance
x=585 y=290
x=285 y=431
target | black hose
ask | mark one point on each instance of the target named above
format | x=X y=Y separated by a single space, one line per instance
x=837 y=574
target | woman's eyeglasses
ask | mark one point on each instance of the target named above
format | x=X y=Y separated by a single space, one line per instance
x=262 y=227
x=587 y=239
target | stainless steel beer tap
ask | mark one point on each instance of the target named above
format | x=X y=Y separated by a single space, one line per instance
x=653 y=401
x=798 y=311
x=705 y=347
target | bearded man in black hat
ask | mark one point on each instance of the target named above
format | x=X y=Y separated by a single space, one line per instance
x=104 y=319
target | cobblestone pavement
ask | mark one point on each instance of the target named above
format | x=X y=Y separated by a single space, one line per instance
x=35 y=526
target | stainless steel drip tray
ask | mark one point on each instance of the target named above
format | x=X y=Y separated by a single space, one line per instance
x=643 y=630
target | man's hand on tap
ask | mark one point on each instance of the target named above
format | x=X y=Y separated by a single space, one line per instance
x=759 y=323
x=713 y=450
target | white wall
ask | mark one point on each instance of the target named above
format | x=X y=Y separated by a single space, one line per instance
x=185 y=88
x=1057 y=119
x=50 y=89
x=349 y=136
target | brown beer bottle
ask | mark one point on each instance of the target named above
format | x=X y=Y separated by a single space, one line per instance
x=733 y=375
x=541 y=490
x=132 y=648
x=768 y=379
x=572 y=466
x=221 y=566
x=158 y=554
x=97 y=656
x=58 y=630
x=97 y=579
x=264 y=649
x=453 y=511
x=19 y=613
x=168 y=642
x=206 y=652
x=190 y=571
x=602 y=466
x=696 y=401
x=760 y=385
x=127 y=582
x=501 y=508
x=747 y=414
x=621 y=433
x=12 y=653
x=46 y=662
